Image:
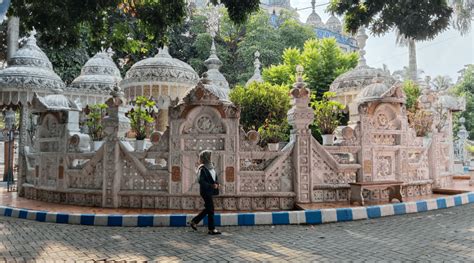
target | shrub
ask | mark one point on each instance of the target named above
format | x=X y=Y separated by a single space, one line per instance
x=95 y=114
x=327 y=113
x=272 y=132
x=141 y=116
x=260 y=102
x=421 y=121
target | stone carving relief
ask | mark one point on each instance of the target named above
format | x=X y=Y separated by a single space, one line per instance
x=384 y=166
x=385 y=118
x=249 y=141
x=133 y=180
x=89 y=177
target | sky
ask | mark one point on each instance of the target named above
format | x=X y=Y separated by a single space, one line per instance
x=444 y=55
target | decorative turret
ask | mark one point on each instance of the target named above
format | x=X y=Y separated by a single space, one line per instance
x=334 y=24
x=257 y=77
x=314 y=19
x=213 y=63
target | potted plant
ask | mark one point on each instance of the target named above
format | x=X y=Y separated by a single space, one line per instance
x=272 y=134
x=141 y=118
x=94 y=116
x=421 y=121
x=326 y=116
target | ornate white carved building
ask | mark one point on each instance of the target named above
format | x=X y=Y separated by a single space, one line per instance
x=98 y=77
x=161 y=77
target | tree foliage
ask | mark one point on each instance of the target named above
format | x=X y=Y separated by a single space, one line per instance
x=412 y=91
x=327 y=112
x=112 y=21
x=236 y=44
x=465 y=87
x=260 y=103
x=322 y=60
x=418 y=20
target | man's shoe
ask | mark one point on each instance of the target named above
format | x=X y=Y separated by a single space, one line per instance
x=193 y=225
x=214 y=232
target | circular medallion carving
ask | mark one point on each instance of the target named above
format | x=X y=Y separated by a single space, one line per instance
x=205 y=123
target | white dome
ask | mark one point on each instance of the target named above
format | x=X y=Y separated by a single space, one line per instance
x=359 y=78
x=158 y=69
x=334 y=24
x=99 y=75
x=30 y=69
x=315 y=20
x=377 y=91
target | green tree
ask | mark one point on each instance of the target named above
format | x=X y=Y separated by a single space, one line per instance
x=260 y=103
x=465 y=87
x=112 y=21
x=417 y=20
x=412 y=91
x=322 y=60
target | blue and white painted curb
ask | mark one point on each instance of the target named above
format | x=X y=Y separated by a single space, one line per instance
x=245 y=219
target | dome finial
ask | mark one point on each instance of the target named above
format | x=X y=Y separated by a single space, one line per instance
x=361 y=40
x=32 y=38
x=257 y=77
x=257 y=63
x=313 y=4
x=299 y=73
x=163 y=52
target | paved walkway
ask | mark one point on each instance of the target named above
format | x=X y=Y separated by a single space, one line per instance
x=446 y=234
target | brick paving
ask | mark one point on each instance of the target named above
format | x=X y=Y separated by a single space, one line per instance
x=442 y=235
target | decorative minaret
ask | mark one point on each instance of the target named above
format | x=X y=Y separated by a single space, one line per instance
x=362 y=63
x=361 y=40
x=300 y=116
x=213 y=63
x=257 y=77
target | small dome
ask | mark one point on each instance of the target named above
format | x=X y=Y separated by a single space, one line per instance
x=98 y=74
x=334 y=24
x=160 y=68
x=378 y=90
x=315 y=20
x=53 y=102
x=358 y=78
x=30 y=69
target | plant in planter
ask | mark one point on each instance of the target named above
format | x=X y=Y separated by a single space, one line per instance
x=327 y=113
x=421 y=121
x=272 y=134
x=141 y=118
x=94 y=116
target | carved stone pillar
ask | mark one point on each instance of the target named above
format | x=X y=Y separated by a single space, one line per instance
x=13 y=34
x=23 y=141
x=116 y=125
x=300 y=116
x=162 y=120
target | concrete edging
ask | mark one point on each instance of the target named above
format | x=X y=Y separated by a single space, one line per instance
x=319 y=216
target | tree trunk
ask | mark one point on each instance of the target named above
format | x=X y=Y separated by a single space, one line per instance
x=412 y=68
x=12 y=36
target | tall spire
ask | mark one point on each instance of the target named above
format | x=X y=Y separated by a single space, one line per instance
x=257 y=77
x=361 y=40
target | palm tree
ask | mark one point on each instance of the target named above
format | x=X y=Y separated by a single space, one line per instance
x=463 y=15
x=462 y=18
x=442 y=82
x=412 y=65
x=404 y=74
